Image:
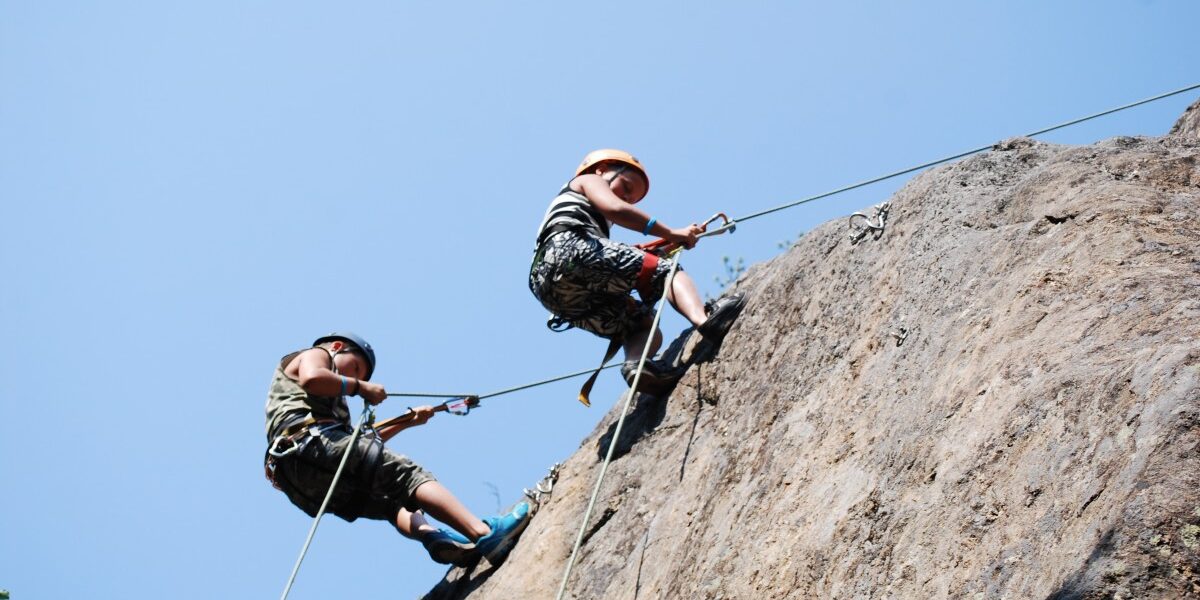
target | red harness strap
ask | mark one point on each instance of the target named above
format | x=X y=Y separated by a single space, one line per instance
x=646 y=275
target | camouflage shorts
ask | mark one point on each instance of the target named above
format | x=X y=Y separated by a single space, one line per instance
x=586 y=280
x=305 y=477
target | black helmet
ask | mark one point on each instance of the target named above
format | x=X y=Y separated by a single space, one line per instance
x=353 y=338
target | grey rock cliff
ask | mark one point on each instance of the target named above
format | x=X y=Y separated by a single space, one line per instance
x=1036 y=434
x=1188 y=126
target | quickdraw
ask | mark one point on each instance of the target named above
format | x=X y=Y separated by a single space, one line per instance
x=544 y=488
x=460 y=405
x=875 y=228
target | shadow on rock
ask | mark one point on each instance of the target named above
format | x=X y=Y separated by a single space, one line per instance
x=460 y=583
x=648 y=412
x=650 y=409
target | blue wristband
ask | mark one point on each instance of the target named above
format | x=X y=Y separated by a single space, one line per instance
x=343 y=385
x=649 y=226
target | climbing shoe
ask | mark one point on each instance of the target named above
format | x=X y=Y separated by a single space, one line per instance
x=449 y=548
x=721 y=315
x=657 y=378
x=496 y=545
x=456 y=536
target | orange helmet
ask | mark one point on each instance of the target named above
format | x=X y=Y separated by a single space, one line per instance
x=596 y=157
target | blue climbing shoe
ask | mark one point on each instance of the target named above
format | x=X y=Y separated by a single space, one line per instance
x=454 y=535
x=496 y=545
x=449 y=549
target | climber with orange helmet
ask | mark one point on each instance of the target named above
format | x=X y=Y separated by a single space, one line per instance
x=584 y=278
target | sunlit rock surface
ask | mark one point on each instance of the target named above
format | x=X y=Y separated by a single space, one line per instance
x=1035 y=435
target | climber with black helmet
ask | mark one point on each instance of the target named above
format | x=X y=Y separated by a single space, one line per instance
x=309 y=431
x=585 y=279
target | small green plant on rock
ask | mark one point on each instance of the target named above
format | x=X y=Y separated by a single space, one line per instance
x=733 y=270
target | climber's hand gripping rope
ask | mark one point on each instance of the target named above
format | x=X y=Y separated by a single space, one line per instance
x=662 y=246
x=456 y=406
x=388 y=428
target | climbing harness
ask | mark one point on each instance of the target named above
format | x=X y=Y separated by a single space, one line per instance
x=292 y=439
x=368 y=415
x=875 y=228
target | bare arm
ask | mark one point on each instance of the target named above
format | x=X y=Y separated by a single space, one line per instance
x=597 y=191
x=314 y=374
x=390 y=427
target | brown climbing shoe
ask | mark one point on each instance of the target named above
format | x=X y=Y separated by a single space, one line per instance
x=721 y=315
x=657 y=378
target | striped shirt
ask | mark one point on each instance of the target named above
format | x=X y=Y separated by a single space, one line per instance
x=572 y=209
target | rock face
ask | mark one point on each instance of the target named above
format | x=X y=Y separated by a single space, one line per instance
x=1188 y=126
x=1035 y=435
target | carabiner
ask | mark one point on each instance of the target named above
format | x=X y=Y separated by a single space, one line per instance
x=461 y=406
x=662 y=246
x=727 y=225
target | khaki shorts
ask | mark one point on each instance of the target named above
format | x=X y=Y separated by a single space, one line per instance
x=305 y=477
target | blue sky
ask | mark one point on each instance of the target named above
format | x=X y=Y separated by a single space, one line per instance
x=192 y=190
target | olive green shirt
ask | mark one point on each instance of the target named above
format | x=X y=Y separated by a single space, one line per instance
x=287 y=399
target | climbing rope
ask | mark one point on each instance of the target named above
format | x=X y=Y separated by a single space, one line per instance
x=730 y=225
x=948 y=159
x=502 y=392
x=881 y=213
x=368 y=413
x=562 y=588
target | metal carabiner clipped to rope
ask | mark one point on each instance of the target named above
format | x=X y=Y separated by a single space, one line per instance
x=663 y=246
x=460 y=406
x=729 y=225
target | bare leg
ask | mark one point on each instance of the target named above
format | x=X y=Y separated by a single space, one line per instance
x=635 y=343
x=439 y=502
x=413 y=525
x=686 y=299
